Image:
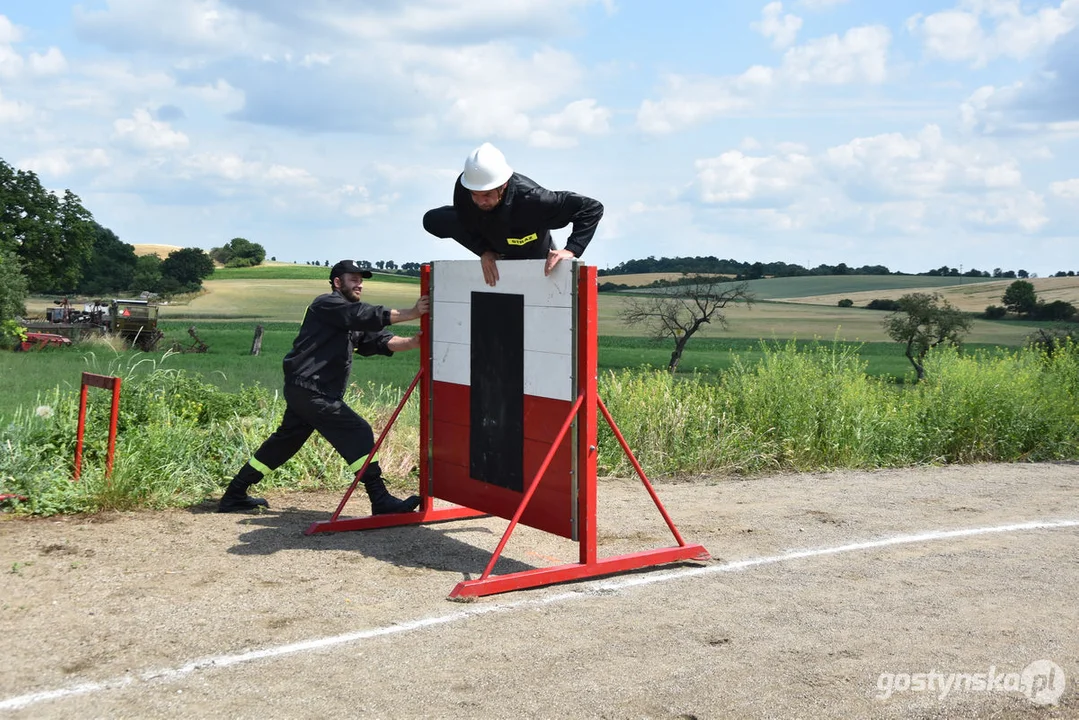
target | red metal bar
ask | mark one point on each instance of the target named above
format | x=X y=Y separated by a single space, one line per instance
x=378 y=444
x=372 y=522
x=532 y=488
x=577 y=571
x=640 y=472
x=426 y=501
x=114 y=417
x=587 y=359
x=81 y=430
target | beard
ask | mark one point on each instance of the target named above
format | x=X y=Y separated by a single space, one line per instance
x=351 y=295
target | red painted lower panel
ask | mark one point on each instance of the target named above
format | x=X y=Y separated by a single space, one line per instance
x=551 y=508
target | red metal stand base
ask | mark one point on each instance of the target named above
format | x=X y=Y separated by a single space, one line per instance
x=576 y=571
x=372 y=522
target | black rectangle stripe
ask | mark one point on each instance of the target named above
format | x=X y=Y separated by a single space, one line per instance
x=496 y=434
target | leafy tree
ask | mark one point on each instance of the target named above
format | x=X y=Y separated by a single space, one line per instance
x=147 y=276
x=846 y=302
x=995 y=312
x=187 y=267
x=239 y=252
x=1056 y=310
x=51 y=236
x=1020 y=297
x=922 y=322
x=12 y=286
x=680 y=315
x=111 y=267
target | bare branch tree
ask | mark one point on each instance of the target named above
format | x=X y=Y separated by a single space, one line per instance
x=679 y=312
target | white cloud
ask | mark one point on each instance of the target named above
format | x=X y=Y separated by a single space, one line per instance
x=783 y=29
x=1025 y=210
x=580 y=117
x=232 y=167
x=820 y=4
x=688 y=101
x=52 y=62
x=921 y=166
x=13 y=111
x=1068 y=189
x=9 y=33
x=174 y=25
x=880 y=184
x=142 y=132
x=860 y=55
x=59 y=162
x=735 y=177
x=11 y=62
x=960 y=35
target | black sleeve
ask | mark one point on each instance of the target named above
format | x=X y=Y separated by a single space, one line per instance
x=469 y=235
x=372 y=343
x=560 y=208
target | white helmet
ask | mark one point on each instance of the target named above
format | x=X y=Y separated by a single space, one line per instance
x=485 y=169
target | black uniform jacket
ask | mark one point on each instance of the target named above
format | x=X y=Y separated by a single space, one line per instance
x=332 y=330
x=520 y=227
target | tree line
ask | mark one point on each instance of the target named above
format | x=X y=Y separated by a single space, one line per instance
x=711 y=265
x=51 y=244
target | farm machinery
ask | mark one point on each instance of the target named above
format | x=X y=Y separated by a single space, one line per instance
x=133 y=320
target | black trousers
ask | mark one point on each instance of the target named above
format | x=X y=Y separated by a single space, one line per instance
x=443 y=223
x=305 y=412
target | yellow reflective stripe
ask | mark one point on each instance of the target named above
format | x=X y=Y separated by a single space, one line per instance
x=259 y=466
x=355 y=467
x=522 y=241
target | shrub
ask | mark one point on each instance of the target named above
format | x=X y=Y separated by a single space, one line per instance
x=995 y=312
x=846 y=302
x=889 y=305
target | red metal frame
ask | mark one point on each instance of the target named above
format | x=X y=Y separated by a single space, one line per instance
x=108 y=383
x=584 y=412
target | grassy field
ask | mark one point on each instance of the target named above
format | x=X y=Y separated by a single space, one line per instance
x=226 y=314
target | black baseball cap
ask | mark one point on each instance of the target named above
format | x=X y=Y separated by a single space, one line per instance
x=348 y=266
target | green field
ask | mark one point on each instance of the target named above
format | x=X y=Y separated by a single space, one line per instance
x=235 y=301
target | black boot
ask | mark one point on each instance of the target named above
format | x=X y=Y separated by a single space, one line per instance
x=382 y=503
x=236 y=498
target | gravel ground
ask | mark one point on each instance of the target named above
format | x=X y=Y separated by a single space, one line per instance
x=191 y=614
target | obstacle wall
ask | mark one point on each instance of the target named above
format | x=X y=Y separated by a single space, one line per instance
x=504 y=378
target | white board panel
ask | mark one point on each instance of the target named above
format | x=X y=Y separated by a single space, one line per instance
x=547 y=330
x=451 y=362
x=455 y=280
x=451 y=322
x=549 y=375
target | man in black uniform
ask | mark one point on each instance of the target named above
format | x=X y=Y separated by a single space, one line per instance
x=497 y=213
x=335 y=326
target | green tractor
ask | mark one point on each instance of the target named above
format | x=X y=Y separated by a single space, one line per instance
x=136 y=322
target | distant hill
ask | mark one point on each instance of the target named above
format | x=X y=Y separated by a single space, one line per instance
x=162 y=251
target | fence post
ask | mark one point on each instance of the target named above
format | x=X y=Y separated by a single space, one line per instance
x=256 y=345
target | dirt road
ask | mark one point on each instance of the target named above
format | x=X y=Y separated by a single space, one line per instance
x=853 y=594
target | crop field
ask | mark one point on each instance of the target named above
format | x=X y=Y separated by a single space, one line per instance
x=968 y=296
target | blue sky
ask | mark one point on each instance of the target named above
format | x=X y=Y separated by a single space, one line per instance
x=912 y=134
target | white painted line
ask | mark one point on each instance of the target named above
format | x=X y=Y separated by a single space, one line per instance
x=583 y=591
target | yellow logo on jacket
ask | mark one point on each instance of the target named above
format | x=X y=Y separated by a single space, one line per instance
x=522 y=241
